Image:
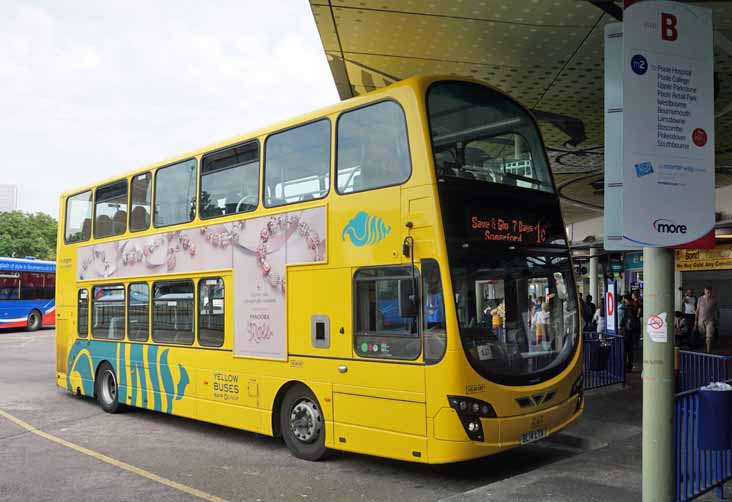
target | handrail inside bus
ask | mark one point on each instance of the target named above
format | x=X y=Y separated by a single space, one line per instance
x=475 y=130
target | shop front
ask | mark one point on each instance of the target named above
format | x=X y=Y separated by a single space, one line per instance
x=709 y=267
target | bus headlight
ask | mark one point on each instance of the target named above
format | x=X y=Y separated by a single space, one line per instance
x=470 y=411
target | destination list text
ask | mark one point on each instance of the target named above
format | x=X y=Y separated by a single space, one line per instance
x=674 y=94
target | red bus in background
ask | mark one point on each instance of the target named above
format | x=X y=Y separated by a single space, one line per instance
x=27 y=293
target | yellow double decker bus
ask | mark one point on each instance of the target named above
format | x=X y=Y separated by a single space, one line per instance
x=377 y=277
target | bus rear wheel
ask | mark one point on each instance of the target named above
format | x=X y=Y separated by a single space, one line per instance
x=107 y=389
x=34 y=321
x=302 y=424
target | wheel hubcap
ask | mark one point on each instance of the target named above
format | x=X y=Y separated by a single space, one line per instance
x=306 y=421
x=109 y=387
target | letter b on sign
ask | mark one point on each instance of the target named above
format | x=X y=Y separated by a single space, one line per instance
x=668 y=27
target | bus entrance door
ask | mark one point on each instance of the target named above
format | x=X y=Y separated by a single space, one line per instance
x=379 y=409
x=379 y=394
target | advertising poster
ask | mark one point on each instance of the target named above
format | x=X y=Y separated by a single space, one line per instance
x=611 y=308
x=260 y=325
x=719 y=258
x=257 y=249
x=668 y=125
x=180 y=251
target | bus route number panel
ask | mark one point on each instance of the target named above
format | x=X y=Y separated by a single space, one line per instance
x=507 y=228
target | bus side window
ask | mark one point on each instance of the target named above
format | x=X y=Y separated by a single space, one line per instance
x=373 y=150
x=9 y=285
x=108 y=312
x=140 y=194
x=82 y=313
x=297 y=164
x=49 y=286
x=380 y=330
x=78 y=217
x=138 y=312
x=435 y=333
x=211 y=310
x=110 y=209
x=230 y=181
x=175 y=194
x=172 y=314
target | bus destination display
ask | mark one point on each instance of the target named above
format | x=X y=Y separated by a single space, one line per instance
x=512 y=229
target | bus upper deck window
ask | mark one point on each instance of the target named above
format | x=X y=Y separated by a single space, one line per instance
x=78 y=217
x=175 y=194
x=230 y=181
x=373 y=150
x=110 y=209
x=297 y=164
x=140 y=194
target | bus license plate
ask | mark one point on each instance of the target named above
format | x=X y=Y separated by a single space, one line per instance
x=532 y=436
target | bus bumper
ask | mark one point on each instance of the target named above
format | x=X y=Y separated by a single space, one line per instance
x=449 y=442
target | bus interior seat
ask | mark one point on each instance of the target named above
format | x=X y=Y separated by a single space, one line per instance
x=448 y=168
x=139 y=218
x=86 y=229
x=103 y=225
x=275 y=201
x=119 y=222
x=113 y=326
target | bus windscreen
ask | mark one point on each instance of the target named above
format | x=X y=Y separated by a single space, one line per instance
x=482 y=135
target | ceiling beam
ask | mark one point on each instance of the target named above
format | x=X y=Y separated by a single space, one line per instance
x=609 y=7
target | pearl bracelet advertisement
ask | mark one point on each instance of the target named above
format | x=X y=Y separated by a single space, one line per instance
x=257 y=249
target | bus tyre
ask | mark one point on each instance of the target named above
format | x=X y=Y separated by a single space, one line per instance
x=302 y=424
x=34 y=321
x=106 y=388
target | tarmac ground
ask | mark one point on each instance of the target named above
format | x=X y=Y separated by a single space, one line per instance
x=55 y=446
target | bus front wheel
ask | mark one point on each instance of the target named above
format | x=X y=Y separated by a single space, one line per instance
x=34 y=321
x=302 y=424
x=107 y=389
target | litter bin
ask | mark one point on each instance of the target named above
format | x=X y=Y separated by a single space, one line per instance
x=599 y=355
x=715 y=418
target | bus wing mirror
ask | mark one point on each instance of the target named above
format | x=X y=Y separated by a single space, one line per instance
x=407 y=299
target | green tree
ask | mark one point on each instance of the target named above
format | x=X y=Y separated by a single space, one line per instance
x=26 y=234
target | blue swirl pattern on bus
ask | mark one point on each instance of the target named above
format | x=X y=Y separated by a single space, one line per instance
x=85 y=356
x=364 y=229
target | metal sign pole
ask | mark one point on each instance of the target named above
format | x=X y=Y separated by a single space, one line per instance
x=658 y=375
x=659 y=184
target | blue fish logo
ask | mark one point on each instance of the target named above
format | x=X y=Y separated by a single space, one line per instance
x=365 y=230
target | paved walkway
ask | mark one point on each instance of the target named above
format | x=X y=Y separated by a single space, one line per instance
x=609 y=432
x=608 y=469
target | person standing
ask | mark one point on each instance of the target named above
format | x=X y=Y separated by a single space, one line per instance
x=599 y=320
x=637 y=303
x=590 y=313
x=583 y=312
x=707 y=316
x=541 y=321
x=626 y=314
x=689 y=310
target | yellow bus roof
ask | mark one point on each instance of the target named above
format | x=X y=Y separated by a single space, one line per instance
x=413 y=82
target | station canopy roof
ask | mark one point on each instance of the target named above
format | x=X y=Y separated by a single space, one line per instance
x=548 y=54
